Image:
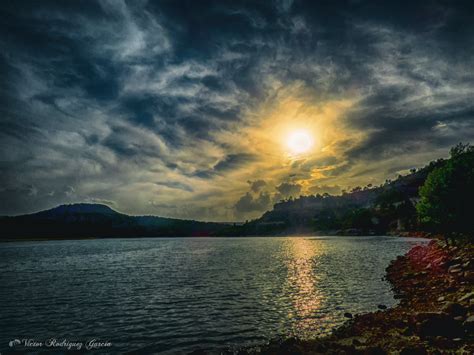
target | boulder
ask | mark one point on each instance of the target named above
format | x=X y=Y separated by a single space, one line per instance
x=359 y=341
x=290 y=346
x=433 y=324
x=412 y=350
x=467 y=296
x=454 y=309
x=469 y=276
x=469 y=324
x=376 y=350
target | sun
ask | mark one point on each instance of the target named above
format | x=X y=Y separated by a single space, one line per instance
x=299 y=142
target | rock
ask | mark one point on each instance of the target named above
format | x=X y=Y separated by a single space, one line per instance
x=348 y=315
x=433 y=324
x=412 y=350
x=469 y=324
x=359 y=341
x=382 y=306
x=441 y=342
x=455 y=309
x=469 y=276
x=290 y=346
x=376 y=350
x=406 y=331
x=467 y=296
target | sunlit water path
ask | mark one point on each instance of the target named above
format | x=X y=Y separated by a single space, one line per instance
x=178 y=295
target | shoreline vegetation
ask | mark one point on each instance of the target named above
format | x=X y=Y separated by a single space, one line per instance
x=435 y=314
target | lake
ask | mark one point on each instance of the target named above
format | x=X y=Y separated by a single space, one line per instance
x=173 y=296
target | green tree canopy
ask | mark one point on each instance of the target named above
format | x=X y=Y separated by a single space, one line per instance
x=447 y=196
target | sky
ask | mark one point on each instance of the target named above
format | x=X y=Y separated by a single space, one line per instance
x=186 y=109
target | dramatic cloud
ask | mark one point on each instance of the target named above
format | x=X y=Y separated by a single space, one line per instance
x=257 y=185
x=321 y=189
x=289 y=190
x=183 y=109
x=250 y=204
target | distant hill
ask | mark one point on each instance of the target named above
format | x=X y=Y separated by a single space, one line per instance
x=77 y=209
x=101 y=221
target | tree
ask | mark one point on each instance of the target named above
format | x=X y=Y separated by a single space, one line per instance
x=360 y=218
x=447 y=196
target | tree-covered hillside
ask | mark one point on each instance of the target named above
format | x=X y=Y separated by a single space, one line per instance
x=388 y=208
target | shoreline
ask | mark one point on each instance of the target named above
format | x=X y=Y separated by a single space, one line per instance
x=394 y=235
x=435 y=286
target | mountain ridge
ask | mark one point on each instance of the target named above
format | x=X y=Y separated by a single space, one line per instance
x=72 y=208
x=98 y=220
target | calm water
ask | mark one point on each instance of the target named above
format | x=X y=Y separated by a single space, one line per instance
x=178 y=295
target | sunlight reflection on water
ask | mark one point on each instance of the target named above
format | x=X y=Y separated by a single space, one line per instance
x=302 y=283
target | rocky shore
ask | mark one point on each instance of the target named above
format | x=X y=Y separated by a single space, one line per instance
x=435 y=286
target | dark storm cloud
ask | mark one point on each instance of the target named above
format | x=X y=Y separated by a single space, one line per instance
x=287 y=189
x=231 y=161
x=249 y=203
x=105 y=95
x=257 y=185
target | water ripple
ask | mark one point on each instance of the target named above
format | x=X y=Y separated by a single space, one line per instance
x=174 y=296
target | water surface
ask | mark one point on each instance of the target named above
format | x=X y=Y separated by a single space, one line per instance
x=174 y=296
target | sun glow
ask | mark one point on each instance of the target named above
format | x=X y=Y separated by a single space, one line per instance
x=299 y=142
